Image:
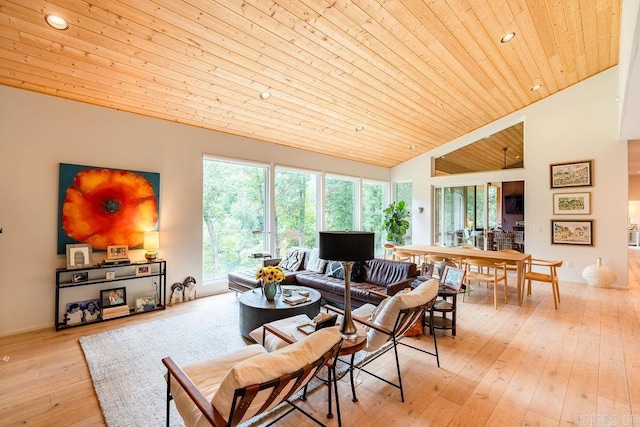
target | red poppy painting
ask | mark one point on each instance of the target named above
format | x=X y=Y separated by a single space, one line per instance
x=105 y=207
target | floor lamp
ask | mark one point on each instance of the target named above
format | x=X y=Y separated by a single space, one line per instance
x=346 y=247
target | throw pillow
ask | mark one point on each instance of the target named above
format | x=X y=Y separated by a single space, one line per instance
x=356 y=272
x=292 y=260
x=316 y=264
x=335 y=269
x=415 y=330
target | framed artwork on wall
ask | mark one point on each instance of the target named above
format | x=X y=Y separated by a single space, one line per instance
x=572 y=232
x=105 y=207
x=571 y=203
x=575 y=174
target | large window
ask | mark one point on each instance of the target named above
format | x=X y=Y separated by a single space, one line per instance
x=340 y=203
x=374 y=200
x=404 y=191
x=234 y=216
x=296 y=209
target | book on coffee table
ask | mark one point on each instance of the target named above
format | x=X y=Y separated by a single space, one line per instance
x=296 y=299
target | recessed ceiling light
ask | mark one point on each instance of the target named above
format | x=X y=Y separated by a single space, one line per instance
x=536 y=87
x=265 y=95
x=413 y=147
x=507 y=37
x=57 y=22
x=359 y=128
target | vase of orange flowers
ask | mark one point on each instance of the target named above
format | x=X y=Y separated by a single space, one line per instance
x=271 y=277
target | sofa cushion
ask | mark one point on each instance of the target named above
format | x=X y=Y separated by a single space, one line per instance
x=269 y=366
x=335 y=269
x=292 y=259
x=314 y=262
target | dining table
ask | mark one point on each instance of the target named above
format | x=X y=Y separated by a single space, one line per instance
x=516 y=258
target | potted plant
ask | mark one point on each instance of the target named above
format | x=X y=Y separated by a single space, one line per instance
x=395 y=222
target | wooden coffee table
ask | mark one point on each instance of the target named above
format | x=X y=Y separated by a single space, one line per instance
x=255 y=310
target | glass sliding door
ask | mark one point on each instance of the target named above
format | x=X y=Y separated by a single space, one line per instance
x=234 y=216
x=462 y=214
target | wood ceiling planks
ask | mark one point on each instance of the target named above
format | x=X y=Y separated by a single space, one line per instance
x=414 y=74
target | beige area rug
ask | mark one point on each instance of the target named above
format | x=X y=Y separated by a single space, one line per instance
x=126 y=363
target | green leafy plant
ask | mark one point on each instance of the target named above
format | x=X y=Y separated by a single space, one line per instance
x=395 y=221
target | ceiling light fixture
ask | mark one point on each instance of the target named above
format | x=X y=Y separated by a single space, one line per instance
x=413 y=147
x=57 y=22
x=536 y=87
x=507 y=37
x=265 y=95
x=359 y=128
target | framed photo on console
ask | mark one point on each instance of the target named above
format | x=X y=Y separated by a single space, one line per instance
x=452 y=278
x=113 y=297
x=78 y=255
x=117 y=252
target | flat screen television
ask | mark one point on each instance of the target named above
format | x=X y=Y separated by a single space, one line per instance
x=514 y=205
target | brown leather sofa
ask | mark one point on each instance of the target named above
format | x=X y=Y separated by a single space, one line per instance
x=384 y=276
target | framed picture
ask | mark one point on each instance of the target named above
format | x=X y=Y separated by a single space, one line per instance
x=145 y=304
x=110 y=275
x=571 y=203
x=82 y=311
x=576 y=174
x=113 y=297
x=78 y=255
x=117 y=252
x=81 y=276
x=143 y=270
x=576 y=232
x=452 y=278
x=427 y=269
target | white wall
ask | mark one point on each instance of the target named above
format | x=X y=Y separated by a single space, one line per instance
x=579 y=123
x=37 y=132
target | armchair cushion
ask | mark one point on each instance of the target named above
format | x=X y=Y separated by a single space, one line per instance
x=286 y=325
x=207 y=376
x=268 y=366
x=386 y=318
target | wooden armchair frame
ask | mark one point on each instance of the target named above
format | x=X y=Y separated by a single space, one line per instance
x=538 y=276
x=406 y=319
x=244 y=396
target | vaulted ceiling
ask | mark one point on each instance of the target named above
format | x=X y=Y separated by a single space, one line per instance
x=410 y=74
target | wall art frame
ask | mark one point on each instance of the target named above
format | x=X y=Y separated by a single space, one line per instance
x=572 y=203
x=113 y=297
x=572 y=232
x=78 y=255
x=573 y=174
x=106 y=206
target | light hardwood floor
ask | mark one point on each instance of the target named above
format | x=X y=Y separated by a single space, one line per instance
x=528 y=365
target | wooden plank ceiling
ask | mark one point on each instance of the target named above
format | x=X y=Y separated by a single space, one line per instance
x=414 y=74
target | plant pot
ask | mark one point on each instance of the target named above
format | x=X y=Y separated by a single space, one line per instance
x=270 y=290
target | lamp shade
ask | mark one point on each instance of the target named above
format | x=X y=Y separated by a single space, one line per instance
x=346 y=245
x=151 y=240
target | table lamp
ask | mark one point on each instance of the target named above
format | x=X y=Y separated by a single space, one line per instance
x=346 y=247
x=151 y=244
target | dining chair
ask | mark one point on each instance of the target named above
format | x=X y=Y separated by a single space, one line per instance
x=486 y=272
x=541 y=270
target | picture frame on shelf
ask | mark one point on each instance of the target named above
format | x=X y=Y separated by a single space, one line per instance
x=82 y=312
x=572 y=203
x=117 y=252
x=143 y=270
x=78 y=255
x=452 y=278
x=79 y=277
x=145 y=304
x=572 y=232
x=113 y=297
x=573 y=174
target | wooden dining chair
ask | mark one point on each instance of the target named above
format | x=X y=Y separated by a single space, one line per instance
x=487 y=272
x=546 y=271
